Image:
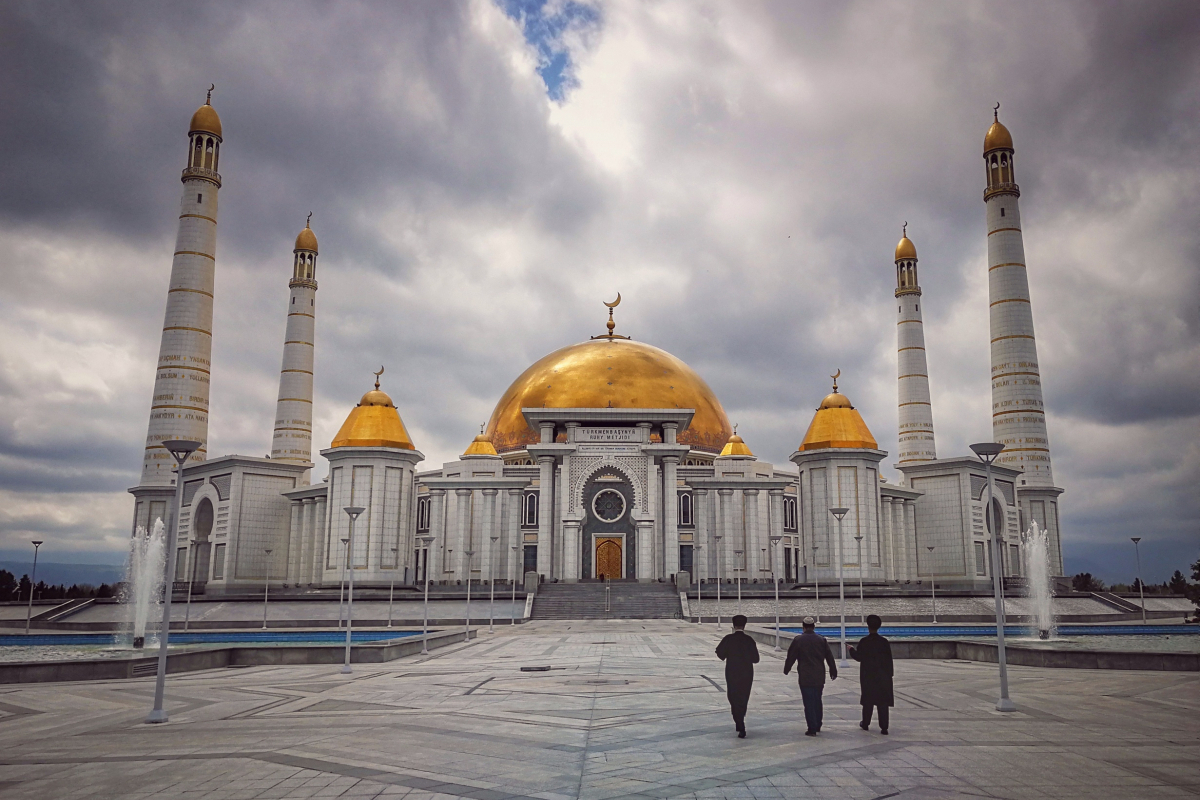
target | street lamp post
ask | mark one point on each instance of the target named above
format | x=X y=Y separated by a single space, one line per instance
x=932 y=584
x=492 y=586
x=1141 y=589
x=696 y=548
x=180 y=450
x=426 y=540
x=470 y=554
x=392 y=584
x=717 y=539
x=862 y=606
x=342 y=585
x=352 y=512
x=32 y=583
x=838 y=514
x=987 y=452
x=738 y=576
x=266 y=586
x=775 y=540
x=516 y=548
x=816 y=584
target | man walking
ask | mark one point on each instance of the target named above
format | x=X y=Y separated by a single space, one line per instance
x=875 y=654
x=740 y=654
x=810 y=653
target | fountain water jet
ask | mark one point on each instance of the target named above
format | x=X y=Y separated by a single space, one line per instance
x=1036 y=551
x=144 y=579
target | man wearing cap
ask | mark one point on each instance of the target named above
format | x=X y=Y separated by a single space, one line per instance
x=874 y=653
x=740 y=654
x=810 y=653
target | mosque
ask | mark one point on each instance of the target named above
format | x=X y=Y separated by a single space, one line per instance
x=606 y=459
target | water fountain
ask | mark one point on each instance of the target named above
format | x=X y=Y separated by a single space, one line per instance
x=144 y=579
x=1036 y=551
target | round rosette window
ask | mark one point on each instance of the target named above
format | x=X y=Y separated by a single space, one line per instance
x=608 y=505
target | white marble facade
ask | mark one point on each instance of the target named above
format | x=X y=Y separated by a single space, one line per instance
x=592 y=491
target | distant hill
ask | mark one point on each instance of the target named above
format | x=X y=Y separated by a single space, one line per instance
x=53 y=573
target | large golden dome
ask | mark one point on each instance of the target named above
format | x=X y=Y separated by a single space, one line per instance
x=609 y=373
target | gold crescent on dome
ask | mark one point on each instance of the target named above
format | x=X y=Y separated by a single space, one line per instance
x=377 y=374
x=614 y=303
x=835 y=376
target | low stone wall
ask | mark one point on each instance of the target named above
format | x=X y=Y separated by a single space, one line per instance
x=1021 y=656
x=220 y=656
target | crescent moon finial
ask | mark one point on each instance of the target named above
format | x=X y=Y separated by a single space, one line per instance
x=835 y=376
x=307 y=222
x=616 y=302
x=208 y=100
x=996 y=113
x=905 y=229
x=377 y=374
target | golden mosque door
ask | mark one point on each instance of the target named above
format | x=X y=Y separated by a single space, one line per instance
x=608 y=558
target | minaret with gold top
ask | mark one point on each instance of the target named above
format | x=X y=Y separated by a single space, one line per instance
x=292 y=439
x=1018 y=413
x=916 y=412
x=179 y=409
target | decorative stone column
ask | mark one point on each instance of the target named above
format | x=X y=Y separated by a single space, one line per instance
x=487 y=563
x=754 y=563
x=512 y=535
x=437 y=529
x=645 y=545
x=462 y=539
x=700 y=513
x=670 y=502
x=545 y=560
x=571 y=560
x=320 y=534
x=725 y=518
x=910 y=528
x=889 y=542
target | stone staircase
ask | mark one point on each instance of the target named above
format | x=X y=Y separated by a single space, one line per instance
x=627 y=600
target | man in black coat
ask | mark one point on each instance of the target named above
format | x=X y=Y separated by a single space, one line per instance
x=875 y=674
x=740 y=654
x=810 y=653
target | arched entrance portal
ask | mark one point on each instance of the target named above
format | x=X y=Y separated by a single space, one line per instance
x=202 y=525
x=608 y=547
x=608 y=558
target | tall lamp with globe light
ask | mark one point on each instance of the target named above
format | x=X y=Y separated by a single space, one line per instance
x=839 y=514
x=352 y=512
x=180 y=450
x=987 y=452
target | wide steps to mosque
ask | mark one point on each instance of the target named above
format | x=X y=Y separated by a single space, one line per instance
x=625 y=600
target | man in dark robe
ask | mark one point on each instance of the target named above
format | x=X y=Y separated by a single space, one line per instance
x=875 y=655
x=740 y=654
x=810 y=653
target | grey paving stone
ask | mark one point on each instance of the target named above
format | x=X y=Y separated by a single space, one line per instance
x=630 y=709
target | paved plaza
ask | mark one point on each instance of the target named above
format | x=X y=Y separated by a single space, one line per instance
x=628 y=709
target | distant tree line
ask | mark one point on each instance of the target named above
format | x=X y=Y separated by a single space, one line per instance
x=13 y=589
x=1178 y=584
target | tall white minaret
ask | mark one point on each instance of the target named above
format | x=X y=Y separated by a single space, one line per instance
x=916 y=412
x=292 y=440
x=180 y=406
x=1018 y=414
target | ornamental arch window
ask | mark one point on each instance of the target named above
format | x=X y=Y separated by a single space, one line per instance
x=686 y=508
x=529 y=510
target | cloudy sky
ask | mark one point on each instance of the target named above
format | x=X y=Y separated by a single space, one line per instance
x=483 y=175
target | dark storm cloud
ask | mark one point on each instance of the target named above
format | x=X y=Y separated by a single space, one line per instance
x=739 y=173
